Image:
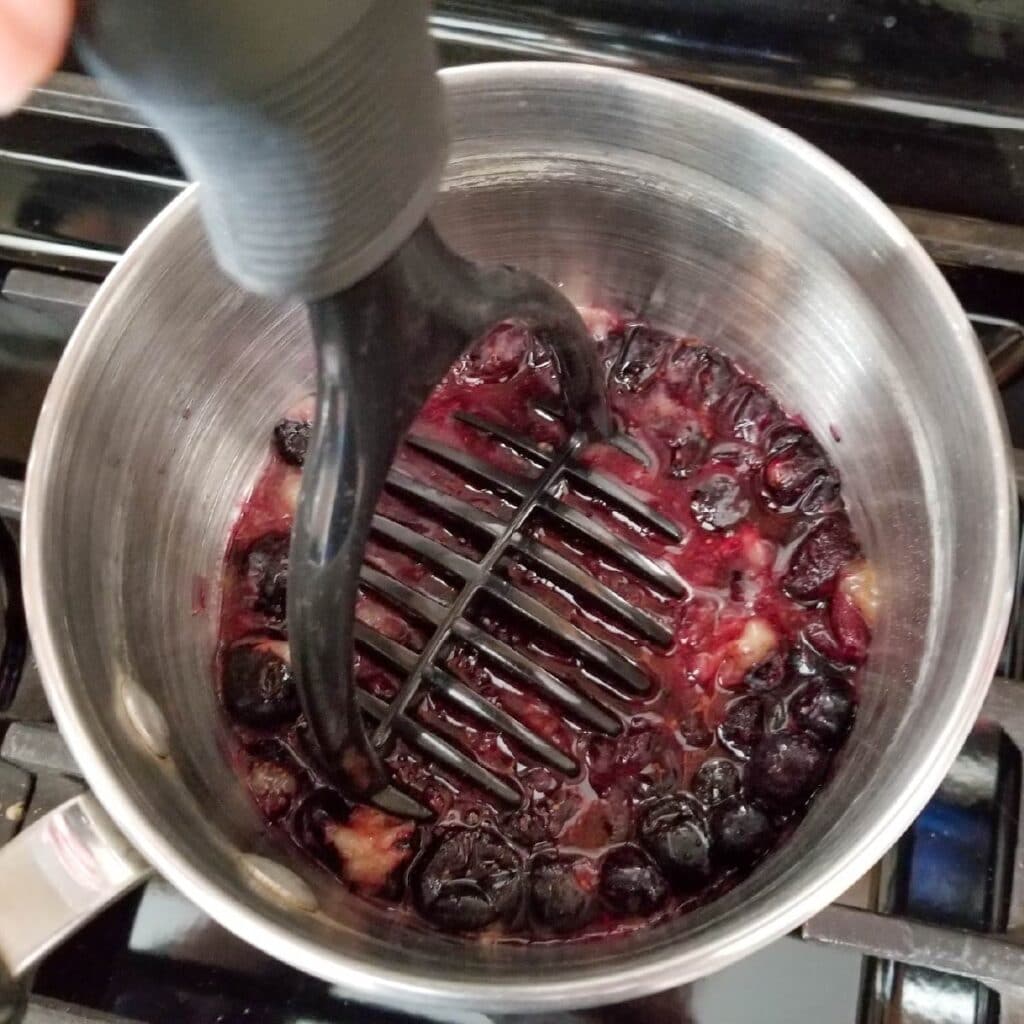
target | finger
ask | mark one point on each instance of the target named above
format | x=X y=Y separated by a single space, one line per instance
x=33 y=37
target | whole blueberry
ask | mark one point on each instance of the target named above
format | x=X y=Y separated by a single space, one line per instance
x=631 y=883
x=469 y=880
x=818 y=559
x=718 y=502
x=786 y=768
x=825 y=707
x=258 y=687
x=743 y=726
x=715 y=781
x=557 y=900
x=291 y=438
x=265 y=565
x=800 y=476
x=741 y=832
x=675 y=833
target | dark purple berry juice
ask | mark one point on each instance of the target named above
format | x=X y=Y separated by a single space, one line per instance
x=711 y=769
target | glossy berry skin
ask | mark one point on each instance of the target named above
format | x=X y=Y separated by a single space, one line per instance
x=743 y=726
x=469 y=880
x=698 y=375
x=642 y=354
x=715 y=781
x=259 y=690
x=631 y=883
x=741 y=832
x=718 y=503
x=747 y=413
x=557 y=900
x=786 y=768
x=824 y=707
x=818 y=559
x=675 y=834
x=799 y=476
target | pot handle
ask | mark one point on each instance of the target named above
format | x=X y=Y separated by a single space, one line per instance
x=54 y=876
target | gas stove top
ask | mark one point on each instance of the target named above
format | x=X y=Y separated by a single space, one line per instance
x=931 y=933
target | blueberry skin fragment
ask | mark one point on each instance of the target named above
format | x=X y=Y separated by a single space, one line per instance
x=469 y=880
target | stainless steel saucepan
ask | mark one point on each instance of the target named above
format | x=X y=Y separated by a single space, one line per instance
x=633 y=194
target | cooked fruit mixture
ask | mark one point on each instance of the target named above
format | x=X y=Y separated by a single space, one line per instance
x=752 y=669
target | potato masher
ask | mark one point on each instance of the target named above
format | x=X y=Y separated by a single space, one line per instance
x=317 y=132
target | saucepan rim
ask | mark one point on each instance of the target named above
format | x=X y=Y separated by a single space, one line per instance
x=643 y=972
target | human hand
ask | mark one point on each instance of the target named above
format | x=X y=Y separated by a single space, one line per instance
x=33 y=37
